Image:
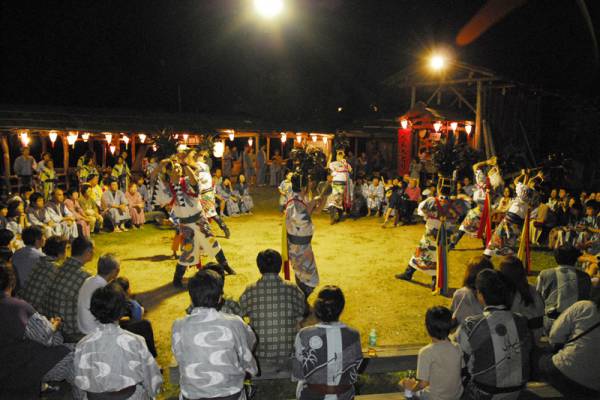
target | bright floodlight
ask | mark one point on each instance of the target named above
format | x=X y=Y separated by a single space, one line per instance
x=268 y=8
x=437 y=62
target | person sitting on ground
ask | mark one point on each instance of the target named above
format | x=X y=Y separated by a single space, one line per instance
x=134 y=309
x=523 y=298
x=212 y=343
x=375 y=197
x=90 y=208
x=573 y=368
x=496 y=345
x=31 y=349
x=97 y=192
x=562 y=286
x=6 y=253
x=108 y=270
x=17 y=221
x=38 y=215
x=229 y=199
x=136 y=206
x=315 y=346
x=228 y=305
x=274 y=307
x=115 y=207
x=64 y=289
x=112 y=363
x=464 y=300
x=60 y=215
x=26 y=258
x=243 y=190
x=35 y=291
x=439 y=363
x=84 y=221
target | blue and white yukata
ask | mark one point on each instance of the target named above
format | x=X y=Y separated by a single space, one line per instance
x=341 y=187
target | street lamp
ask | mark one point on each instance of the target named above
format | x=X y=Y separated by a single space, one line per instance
x=268 y=8
x=437 y=62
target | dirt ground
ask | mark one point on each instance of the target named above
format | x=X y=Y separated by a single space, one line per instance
x=359 y=256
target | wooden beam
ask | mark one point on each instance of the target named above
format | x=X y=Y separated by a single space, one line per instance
x=450 y=82
x=434 y=94
x=6 y=157
x=63 y=138
x=478 y=111
x=413 y=96
x=462 y=98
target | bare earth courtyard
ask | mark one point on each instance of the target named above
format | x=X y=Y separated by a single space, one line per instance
x=359 y=256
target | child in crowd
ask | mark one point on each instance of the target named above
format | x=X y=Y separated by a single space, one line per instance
x=439 y=363
x=134 y=310
x=285 y=191
x=48 y=178
x=243 y=190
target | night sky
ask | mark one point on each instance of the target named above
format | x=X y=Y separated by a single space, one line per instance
x=226 y=61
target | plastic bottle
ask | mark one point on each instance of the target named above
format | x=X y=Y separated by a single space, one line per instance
x=372 y=342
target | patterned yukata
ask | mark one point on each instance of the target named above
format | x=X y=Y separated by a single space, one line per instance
x=110 y=198
x=111 y=359
x=214 y=352
x=121 y=173
x=342 y=188
x=48 y=179
x=375 y=196
x=300 y=230
x=57 y=213
x=326 y=354
x=470 y=224
x=207 y=192
x=432 y=209
x=35 y=291
x=246 y=203
x=193 y=225
x=229 y=196
x=506 y=235
x=40 y=217
x=286 y=187
x=496 y=347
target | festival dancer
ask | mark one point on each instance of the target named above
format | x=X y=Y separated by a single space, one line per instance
x=505 y=237
x=437 y=211
x=205 y=185
x=174 y=190
x=340 y=199
x=299 y=231
x=470 y=224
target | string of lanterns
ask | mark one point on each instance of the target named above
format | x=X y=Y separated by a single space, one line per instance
x=437 y=125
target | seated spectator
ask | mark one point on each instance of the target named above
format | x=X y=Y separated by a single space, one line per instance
x=17 y=221
x=115 y=207
x=523 y=298
x=111 y=362
x=96 y=189
x=64 y=289
x=413 y=194
x=567 y=217
x=133 y=318
x=229 y=199
x=228 y=305
x=439 y=363
x=3 y=215
x=209 y=343
x=38 y=215
x=588 y=228
x=31 y=349
x=573 y=368
x=35 y=292
x=108 y=270
x=315 y=346
x=81 y=218
x=464 y=300
x=136 y=206
x=375 y=197
x=243 y=190
x=60 y=215
x=496 y=345
x=90 y=208
x=562 y=286
x=275 y=308
x=285 y=190
x=6 y=253
x=27 y=257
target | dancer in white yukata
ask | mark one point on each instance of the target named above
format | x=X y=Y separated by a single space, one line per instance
x=174 y=190
x=300 y=230
x=213 y=349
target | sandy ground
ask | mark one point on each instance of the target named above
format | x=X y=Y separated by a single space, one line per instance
x=359 y=256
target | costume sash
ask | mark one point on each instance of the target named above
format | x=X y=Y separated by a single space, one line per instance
x=441 y=283
x=524 y=253
x=485 y=221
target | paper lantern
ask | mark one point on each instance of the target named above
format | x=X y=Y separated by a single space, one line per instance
x=404 y=123
x=72 y=138
x=250 y=142
x=112 y=148
x=437 y=126
x=25 y=139
x=325 y=139
x=283 y=137
x=85 y=136
x=218 y=149
x=108 y=137
x=231 y=134
x=126 y=140
x=299 y=137
x=185 y=137
x=313 y=137
x=154 y=147
x=142 y=137
x=468 y=128
x=453 y=126
x=52 y=135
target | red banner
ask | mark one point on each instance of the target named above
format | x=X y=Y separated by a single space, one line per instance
x=404 y=151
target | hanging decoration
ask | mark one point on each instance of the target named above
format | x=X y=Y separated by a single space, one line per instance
x=453 y=126
x=142 y=137
x=85 y=136
x=126 y=140
x=231 y=134
x=437 y=126
x=299 y=137
x=404 y=123
x=154 y=148
x=283 y=137
x=72 y=138
x=25 y=139
x=250 y=142
x=108 y=137
x=314 y=138
x=112 y=148
x=218 y=149
x=325 y=139
x=185 y=137
x=468 y=128
x=52 y=135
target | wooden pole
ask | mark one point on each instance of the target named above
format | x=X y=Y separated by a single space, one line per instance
x=65 y=159
x=413 y=96
x=478 y=109
x=132 y=150
x=44 y=144
x=6 y=157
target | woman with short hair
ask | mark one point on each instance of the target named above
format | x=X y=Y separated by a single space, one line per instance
x=330 y=343
x=464 y=300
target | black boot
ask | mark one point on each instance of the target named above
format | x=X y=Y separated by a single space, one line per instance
x=455 y=240
x=222 y=225
x=433 y=282
x=178 y=276
x=407 y=274
x=220 y=257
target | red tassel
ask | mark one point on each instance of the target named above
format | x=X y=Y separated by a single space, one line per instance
x=286 y=270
